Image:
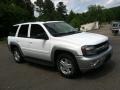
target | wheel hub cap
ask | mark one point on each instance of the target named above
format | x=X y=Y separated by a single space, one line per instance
x=16 y=56
x=65 y=66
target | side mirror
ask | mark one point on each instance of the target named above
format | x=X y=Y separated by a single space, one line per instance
x=45 y=37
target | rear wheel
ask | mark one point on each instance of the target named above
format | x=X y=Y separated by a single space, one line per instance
x=17 y=55
x=67 y=66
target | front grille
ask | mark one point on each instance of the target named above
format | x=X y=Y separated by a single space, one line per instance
x=102 y=47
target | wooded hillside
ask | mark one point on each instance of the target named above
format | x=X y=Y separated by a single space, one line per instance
x=16 y=11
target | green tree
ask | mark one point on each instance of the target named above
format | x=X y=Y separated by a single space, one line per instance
x=11 y=13
x=46 y=10
x=75 y=22
x=61 y=10
x=49 y=10
x=71 y=16
x=40 y=4
x=95 y=12
x=26 y=4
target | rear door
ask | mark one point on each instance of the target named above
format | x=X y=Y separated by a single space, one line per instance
x=22 y=39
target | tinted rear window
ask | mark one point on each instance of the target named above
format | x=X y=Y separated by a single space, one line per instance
x=13 y=30
x=23 y=31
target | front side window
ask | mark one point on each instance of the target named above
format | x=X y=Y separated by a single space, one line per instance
x=23 y=31
x=37 y=31
x=60 y=28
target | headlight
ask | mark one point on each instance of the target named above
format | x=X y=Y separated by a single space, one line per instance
x=88 y=50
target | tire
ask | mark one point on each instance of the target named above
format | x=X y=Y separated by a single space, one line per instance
x=17 y=55
x=67 y=66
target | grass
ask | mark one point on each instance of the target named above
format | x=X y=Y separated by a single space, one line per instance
x=3 y=40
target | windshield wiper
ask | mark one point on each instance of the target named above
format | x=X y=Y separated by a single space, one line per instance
x=66 y=33
x=73 y=32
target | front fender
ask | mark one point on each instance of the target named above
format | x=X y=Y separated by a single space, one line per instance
x=54 y=49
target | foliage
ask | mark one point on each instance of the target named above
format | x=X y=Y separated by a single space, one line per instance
x=47 y=10
x=94 y=13
x=61 y=9
x=12 y=13
x=39 y=3
x=16 y=11
x=75 y=22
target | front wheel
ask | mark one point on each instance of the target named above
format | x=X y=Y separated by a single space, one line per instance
x=67 y=65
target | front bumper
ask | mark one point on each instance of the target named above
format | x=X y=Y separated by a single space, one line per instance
x=87 y=63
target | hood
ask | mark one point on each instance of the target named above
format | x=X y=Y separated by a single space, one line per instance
x=84 y=38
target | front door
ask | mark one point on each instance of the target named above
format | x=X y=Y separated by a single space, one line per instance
x=39 y=47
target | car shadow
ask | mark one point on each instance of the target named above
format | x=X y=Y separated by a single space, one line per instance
x=102 y=71
x=92 y=74
x=99 y=72
x=41 y=66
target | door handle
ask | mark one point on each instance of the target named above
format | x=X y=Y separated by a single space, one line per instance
x=30 y=42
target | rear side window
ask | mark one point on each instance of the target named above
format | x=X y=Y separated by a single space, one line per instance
x=13 y=30
x=23 y=31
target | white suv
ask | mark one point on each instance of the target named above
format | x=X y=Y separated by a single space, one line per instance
x=59 y=44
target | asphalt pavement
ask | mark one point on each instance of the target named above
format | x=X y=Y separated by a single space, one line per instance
x=29 y=76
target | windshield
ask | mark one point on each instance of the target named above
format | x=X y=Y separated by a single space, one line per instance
x=115 y=25
x=60 y=29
